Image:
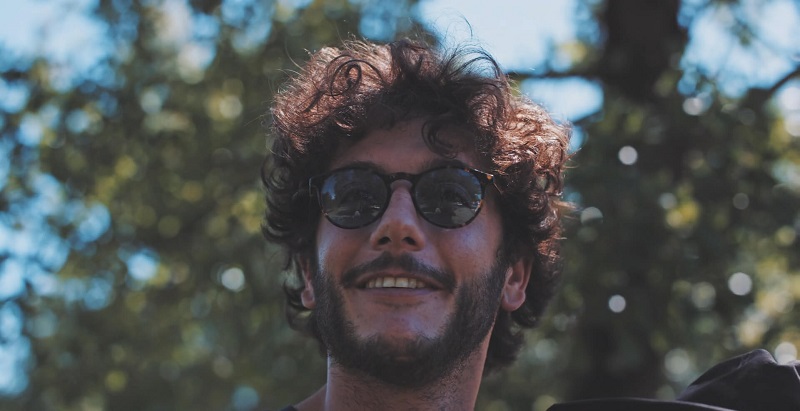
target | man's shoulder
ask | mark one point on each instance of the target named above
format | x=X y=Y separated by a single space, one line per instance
x=750 y=382
x=633 y=404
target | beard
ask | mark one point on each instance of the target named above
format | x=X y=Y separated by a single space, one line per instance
x=421 y=361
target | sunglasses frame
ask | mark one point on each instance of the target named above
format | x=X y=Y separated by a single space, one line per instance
x=315 y=184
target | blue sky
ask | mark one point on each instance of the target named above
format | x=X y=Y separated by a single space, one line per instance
x=61 y=30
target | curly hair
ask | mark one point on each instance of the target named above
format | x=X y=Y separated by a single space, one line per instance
x=342 y=93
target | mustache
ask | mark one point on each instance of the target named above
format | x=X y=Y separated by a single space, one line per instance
x=403 y=262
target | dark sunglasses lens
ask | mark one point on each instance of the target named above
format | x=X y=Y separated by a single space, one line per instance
x=353 y=198
x=448 y=197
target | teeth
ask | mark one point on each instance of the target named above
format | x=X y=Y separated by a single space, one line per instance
x=395 y=282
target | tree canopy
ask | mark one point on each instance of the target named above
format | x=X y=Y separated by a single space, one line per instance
x=133 y=275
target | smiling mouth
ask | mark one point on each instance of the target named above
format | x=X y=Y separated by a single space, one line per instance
x=395 y=282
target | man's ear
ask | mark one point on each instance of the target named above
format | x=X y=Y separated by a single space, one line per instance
x=517 y=277
x=307 y=295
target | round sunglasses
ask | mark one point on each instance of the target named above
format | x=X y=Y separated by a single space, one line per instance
x=353 y=197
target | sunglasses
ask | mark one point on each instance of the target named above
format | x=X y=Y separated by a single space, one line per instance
x=353 y=197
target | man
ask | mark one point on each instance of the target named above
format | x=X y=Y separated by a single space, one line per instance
x=419 y=201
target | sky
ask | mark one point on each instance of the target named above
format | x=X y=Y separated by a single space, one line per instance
x=539 y=25
x=61 y=30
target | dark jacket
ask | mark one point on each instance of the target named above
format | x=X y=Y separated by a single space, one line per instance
x=749 y=382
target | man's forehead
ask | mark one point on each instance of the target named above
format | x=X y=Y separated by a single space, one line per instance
x=423 y=165
x=405 y=145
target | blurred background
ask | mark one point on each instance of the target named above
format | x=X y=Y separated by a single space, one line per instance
x=133 y=275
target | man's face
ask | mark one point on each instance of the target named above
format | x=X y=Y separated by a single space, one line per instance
x=404 y=335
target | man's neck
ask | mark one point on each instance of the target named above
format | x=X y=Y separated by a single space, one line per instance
x=347 y=391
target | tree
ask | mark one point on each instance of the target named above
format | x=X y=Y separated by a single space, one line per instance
x=131 y=212
x=683 y=252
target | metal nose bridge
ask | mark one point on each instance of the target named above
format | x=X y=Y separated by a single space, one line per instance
x=407 y=193
x=390 y=179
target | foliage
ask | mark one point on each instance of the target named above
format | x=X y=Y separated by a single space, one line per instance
x=130 y=211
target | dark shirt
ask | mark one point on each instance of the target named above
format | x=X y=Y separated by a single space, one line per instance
x=749 y=382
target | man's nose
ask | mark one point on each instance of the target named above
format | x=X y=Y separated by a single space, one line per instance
x=400 y=227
